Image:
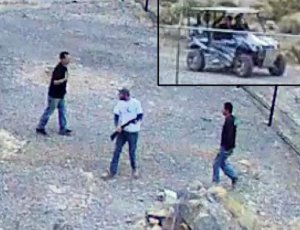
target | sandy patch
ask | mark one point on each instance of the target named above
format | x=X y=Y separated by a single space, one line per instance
x=81 y=79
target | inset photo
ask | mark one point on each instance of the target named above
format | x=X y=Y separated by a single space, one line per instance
x=238 y=42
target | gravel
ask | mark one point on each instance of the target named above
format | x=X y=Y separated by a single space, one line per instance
x=57 y=179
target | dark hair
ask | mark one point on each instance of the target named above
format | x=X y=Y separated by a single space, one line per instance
x=63 y=55
x=230 y=18
x=228 y=106
x=125 y=92
x=239 y=16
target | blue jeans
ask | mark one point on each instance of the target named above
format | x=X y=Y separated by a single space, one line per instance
x=221 y=162
x=54 y=103
x=122 y=138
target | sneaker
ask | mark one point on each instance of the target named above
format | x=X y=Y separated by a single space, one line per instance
x=107 y=175
x=41 y=131
x=233 y=183
x=66 y=132
x=135 y=174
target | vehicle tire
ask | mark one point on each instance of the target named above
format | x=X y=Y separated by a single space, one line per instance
x=195 y=60
x=279 y=66
x=243 y=66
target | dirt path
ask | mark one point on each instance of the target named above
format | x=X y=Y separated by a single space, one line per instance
x=55 y=179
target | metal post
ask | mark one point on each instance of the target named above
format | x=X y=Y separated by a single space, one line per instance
x=146 y=5
x=178 y=43
x=273 y=106
x=177 y=56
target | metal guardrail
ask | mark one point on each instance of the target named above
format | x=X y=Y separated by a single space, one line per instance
x=206 y=29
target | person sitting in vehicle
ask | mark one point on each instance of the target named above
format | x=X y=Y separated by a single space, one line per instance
x=218 y=21
x=240 y=23
x=226 y=24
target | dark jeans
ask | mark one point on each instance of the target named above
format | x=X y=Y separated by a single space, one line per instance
x=221 y=162
x=122 y=138
x=54 y=103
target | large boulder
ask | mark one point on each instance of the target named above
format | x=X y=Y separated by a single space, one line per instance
x=205 y=221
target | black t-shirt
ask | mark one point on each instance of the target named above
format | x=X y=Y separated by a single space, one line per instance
x=58 y=91
x=221 y=35
x=229 y=133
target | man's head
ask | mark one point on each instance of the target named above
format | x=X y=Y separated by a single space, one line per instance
x=124 y=94
x=239 y=18
x=228 y=20
x=227 y=109
x=64 y=57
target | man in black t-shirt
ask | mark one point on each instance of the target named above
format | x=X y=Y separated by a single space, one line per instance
x=227 y=146
x=240 y=23
x=225 y=24
x=56 y=94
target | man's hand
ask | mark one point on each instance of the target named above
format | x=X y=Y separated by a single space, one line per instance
x=119 y=129
x=58 y=82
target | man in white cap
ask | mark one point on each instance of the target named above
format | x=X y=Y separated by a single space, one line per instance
x=127 y=109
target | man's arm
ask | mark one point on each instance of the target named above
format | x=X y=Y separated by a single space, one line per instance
x=116 y=112
x=139 y=117
x=116 y=120
x=57 y=77
x=59 y=82
x=139 y=112
x=229 y=135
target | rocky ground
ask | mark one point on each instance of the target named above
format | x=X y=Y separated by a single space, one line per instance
x=286 y=116
x=45 y=181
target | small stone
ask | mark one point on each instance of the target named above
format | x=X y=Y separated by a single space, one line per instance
x=205 y=221
x=5 y=187
x=151 y=103
x=218 y=192
x=184 y=226
x=62 y=207
x=156 y=227
x=170 y=196
x=158 y=213
x=195 y=186
x=153 y=221
x=245 y=163
x=57 y=190
x=256 y=176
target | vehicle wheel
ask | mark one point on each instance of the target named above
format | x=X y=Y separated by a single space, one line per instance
x=279 y=66
x=243 y=66
x=196 y=60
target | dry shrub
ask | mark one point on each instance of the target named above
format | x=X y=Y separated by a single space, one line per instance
x=295 y=51
x=228 y=3
x=281 y=8
x=170 y=14
x=290 y=24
